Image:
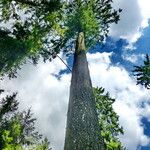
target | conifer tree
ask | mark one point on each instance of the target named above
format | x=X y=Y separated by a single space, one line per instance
x=17 y=129
x=142 y=73
x=108 y=120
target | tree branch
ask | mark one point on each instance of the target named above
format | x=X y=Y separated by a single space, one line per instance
x=64 y=63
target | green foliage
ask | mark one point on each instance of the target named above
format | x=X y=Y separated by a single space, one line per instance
x=142 y=73
x=17 y=129
x=49 y=27
x=108 y=120
x=27 y=36
x=92 y=17
x=12 y=52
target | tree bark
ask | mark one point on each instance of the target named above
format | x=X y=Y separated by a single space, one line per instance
x=82 y=131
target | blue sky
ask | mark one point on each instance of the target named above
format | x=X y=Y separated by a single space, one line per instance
x=110 y=66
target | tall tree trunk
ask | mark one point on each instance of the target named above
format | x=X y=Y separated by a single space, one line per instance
x=82 y=132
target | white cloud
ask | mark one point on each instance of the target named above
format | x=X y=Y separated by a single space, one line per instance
x=133 y=19
x=144 y=6
x=133 y=58
x=40 y=88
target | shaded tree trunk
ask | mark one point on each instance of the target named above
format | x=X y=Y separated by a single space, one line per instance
x=82 y=132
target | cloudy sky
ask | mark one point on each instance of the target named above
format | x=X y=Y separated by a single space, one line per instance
x=46 y=89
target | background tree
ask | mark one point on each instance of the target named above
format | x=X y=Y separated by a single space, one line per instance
x=74 y=26
x=142 y=73
x=23 y=34
x=17 y=129
x=108 y=120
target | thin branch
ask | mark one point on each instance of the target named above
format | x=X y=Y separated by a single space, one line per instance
x=64 y=63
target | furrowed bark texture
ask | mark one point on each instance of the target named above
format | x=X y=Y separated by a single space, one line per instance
x=82 y=132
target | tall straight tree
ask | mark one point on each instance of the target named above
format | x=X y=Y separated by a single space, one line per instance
x=89 y=22
x=45 y=31
x=82 y=121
